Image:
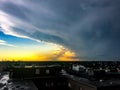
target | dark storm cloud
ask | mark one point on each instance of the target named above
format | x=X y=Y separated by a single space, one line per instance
x=14 y=10
x=91 y=28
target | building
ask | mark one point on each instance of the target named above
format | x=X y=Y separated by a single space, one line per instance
x=27 y=72
x=52 y=77
x=78 y=83
x=44 y=77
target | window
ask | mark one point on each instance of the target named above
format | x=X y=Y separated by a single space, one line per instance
x=69 y=85
x=37 y=71
x=81 y=88
x=47 y=71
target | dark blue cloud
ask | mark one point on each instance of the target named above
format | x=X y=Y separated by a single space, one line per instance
x=91 y=28
x=15 y=10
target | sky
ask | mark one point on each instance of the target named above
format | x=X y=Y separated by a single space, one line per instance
x=59 y=30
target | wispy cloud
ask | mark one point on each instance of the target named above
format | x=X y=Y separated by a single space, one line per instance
x=2 y=42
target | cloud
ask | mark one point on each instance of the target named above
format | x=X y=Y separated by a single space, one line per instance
x=2 y=42
x=88 y=27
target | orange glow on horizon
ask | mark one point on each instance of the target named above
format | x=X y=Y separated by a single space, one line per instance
x=52 y=54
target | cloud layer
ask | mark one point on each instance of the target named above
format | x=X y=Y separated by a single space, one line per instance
x=2 y=42
x=88 y=27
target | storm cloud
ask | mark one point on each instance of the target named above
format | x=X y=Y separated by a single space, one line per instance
x=91 y=28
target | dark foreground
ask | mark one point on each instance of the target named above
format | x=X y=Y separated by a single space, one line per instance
x=60 y=75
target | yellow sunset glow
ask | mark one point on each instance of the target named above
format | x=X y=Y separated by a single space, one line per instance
x=46 y=53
